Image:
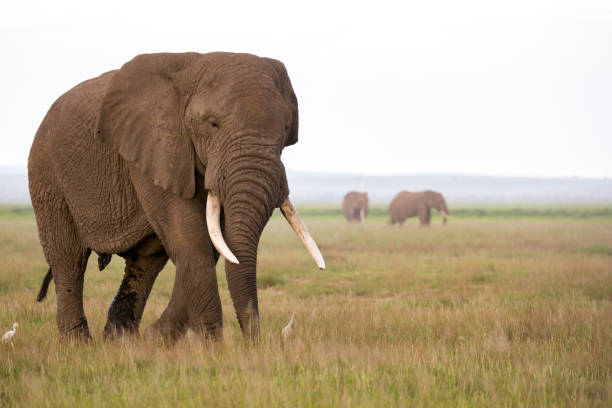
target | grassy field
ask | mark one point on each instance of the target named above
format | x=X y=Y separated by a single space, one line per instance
x=500 y=308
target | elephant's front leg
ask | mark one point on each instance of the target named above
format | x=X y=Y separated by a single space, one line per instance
x=128 y=305
x=195 y=303
x=180 y=225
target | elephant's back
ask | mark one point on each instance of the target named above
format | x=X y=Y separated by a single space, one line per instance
x=71 y=117
x=403 y=196
x=352 y=200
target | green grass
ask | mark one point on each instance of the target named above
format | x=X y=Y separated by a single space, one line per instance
x=484 y=211
x=498 y=310
x=11 y=212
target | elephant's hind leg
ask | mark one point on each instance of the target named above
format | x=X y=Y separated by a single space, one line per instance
x=67 y=258
x=141 y=270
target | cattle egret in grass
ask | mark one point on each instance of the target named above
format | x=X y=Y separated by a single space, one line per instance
x=287 y=329
x=8 y=336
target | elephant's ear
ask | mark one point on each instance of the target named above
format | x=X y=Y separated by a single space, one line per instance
x=284 y=84
x=141 y=117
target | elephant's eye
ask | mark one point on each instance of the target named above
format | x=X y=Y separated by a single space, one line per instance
x=213 y=122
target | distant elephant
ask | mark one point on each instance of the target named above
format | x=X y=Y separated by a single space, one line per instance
x=408 y=204
x=172 y=156
x=355 y=206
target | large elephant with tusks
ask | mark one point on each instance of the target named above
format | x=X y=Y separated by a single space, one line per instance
x=173 y=156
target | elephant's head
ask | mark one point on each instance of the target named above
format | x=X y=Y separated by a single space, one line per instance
x=355 y=205
x=437 y=201
x=228 y=117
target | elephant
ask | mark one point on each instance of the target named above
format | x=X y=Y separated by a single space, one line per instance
x=173 y=156
x=409 y=204
x=355 y=206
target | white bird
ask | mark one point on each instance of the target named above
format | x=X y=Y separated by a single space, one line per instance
x=287 y=329
x=8 y=336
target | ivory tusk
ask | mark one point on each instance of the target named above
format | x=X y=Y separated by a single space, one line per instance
x=213 y=216
x=444 y=214
x=302 y=231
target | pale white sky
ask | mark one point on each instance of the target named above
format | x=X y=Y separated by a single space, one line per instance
x=520 y=88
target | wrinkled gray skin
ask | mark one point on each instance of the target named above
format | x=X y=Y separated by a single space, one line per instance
x=122 y=164
x=408 y=204
x=355 y=206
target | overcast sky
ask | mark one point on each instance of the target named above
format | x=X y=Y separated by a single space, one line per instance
x=520 y=88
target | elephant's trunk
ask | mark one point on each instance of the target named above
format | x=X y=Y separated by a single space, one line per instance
x=246 y=194
x=252 y=194
x=444 y=212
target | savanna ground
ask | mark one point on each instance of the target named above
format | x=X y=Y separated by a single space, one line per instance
x=503 y=307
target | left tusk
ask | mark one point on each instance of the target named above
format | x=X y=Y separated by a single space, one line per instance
x=444 y=214
x=302 y=231
x=213 y=221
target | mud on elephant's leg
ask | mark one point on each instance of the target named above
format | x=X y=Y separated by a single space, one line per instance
x=128 y=305
x=195 y=303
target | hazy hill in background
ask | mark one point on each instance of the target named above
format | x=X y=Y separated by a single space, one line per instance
x=324 y=187
x=309 y=187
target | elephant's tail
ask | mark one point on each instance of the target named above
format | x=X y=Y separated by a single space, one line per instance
x=42 y=293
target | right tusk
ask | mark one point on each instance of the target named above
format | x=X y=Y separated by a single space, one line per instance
x=444 y=214
x=302 y=231
x=213 y=217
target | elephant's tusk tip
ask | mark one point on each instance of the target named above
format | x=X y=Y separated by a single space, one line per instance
x=302 y=231
x=233 y=259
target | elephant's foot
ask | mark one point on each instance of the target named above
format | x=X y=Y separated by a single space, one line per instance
x=116 y=329
x=122 y=313
x=170 y=327
x=167 y=332
x=74 y=331
x=174 y=323
x=207 y=330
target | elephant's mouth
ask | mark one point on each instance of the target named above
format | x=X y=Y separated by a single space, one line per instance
x=213 y=220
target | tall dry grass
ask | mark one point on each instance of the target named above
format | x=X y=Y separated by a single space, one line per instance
x=480 y=313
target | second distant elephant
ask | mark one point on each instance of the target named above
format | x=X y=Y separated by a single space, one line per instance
x=355 y=206
x=408 y=204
